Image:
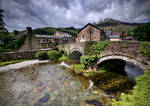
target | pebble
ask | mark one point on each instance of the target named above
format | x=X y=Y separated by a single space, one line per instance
x=94 y=102
x=21 y=94
x=37 y=104
x=45 y=98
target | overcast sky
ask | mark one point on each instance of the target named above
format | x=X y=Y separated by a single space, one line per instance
x=65 y=13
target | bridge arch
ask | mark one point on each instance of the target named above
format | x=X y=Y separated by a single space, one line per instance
x=75 y=54
x=121 y=57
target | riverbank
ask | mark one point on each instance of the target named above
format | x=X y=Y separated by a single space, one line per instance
x=140 y=95
x=111 y=83
x=20 y=65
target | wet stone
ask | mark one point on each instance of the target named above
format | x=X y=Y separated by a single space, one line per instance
x=45 y=98
x=40 y=84
x=37 y=104
x=21 y=94
x=94 y=102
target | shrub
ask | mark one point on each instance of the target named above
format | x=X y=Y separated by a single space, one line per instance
x=140 y=94
x=41 y=55
x=87 y=61
x=95 y=47
x=63 y=58
x=54 y=55
x=78 y=68
x=145 y=48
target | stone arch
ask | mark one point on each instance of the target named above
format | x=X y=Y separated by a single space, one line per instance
x=121 y=57
x=75 y=53
x=75 y=49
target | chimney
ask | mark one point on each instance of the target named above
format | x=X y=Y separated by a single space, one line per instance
x=16 y=32
x=29 y=30
x=111 y=30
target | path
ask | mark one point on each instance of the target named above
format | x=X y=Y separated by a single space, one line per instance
x=20 y=65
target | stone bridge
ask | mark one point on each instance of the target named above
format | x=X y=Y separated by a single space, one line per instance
x=73 y=48
x=127 y=51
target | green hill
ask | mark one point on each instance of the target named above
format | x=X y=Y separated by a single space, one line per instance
x=51 y=31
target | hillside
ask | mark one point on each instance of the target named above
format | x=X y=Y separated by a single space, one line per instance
x=51 y=31
x=116 y=25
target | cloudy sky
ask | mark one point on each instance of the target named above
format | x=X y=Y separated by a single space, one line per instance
x=65 y=13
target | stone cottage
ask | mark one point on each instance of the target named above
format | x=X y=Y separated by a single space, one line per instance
x=36 y=42
x=90 y=33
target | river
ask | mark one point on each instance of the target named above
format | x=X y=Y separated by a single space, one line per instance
x=49 y=85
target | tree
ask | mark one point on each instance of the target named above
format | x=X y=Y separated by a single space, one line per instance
x=1 y=18
x=142 y=33
x=4 y=34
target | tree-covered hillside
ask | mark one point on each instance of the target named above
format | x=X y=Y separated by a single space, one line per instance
x=51 y=31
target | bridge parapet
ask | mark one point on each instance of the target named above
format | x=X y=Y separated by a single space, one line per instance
x=128 y=49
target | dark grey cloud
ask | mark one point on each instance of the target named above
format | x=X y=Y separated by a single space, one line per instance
x=64 y=13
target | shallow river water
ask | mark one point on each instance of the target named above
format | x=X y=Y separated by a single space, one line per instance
x=48 y=85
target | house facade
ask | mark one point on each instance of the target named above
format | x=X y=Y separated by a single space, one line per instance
x=36 y=42
x=90 y=33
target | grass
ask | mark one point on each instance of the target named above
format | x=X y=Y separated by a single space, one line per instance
x=78 y=68
x=10 y=62
x=63 y=58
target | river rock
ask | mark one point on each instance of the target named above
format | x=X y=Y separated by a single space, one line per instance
x=21 y=94
x=45 y=98
x=37 y=104
x=94 y=102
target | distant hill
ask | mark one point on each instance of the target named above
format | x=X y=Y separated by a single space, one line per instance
x=51 y=31
x=116 y=25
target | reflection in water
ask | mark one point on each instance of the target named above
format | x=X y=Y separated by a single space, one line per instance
x=48 y=85
x=133 y=71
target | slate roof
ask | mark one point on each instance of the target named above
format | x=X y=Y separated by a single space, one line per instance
x=110 y=34
x=48 y=36
x=90 y=25
x=64 y=34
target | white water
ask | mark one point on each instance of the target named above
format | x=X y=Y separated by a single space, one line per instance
x=90 y=85
x=64 y=64
x=133 y=71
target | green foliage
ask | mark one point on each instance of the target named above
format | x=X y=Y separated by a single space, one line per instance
x=10 y=62
x=142 y=33
x=78 y=68
x=63 y=58
x=145 y=48
x=140 y=95
x=95 y=47
x=4 y=50
x=16 y=44
x=41 y=55
x=54 y=55
x=88 y=60
x=1 y=18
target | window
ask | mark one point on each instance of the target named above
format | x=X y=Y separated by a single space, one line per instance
x=82 y=37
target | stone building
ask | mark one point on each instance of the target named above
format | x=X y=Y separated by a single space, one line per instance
x=90 y=33
x=30 y=43
x=36 y=42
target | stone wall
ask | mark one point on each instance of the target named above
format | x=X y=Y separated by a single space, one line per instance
x=31 y=43
x=11 y=56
